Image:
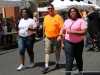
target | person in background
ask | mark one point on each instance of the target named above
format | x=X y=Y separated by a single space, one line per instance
x=35 y=18
x=57 y=12
x=93 y=38
x=3 y=38
x=26 y=37
x=64 y=15
x=1 y=30
x=85 y=17
x=2 y=20
x=52 y=33
x=73 y=39
x=81 y=13
x=2 y=23
x=86 y=21
x=17 y=21
x=10 y=28
x=11 y=24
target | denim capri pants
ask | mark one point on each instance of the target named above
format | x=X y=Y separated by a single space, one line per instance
x=26 y=43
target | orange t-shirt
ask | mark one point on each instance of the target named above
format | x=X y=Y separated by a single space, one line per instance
x=52 y=25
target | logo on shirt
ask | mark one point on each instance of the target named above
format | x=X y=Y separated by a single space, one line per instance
x=55 y=21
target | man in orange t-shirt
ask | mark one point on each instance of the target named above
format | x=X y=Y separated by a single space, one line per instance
x=52 y=33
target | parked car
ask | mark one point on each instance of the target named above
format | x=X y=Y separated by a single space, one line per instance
x=40 y=30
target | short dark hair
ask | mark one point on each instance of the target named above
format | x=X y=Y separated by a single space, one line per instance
x=87 y=12
x=50 y=5
x=77 y=12
x=92 y=8
x=28 y=11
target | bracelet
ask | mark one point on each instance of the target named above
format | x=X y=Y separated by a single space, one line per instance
x=60 y=36
x=43 y=36
x=62 y=44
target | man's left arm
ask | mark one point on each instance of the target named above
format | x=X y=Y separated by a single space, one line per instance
x=61 y=28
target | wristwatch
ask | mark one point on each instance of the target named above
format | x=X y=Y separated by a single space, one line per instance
x=43 y=36
x=62 y=44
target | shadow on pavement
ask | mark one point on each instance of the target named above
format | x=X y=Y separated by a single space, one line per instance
x=73 y=68
x=89 y=74
x=13 y=46
x=41 y=64
x=40 y=38
x=64 y=65
x=6 y=52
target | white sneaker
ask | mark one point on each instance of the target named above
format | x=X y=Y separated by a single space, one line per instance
x=21 y=67
x=31 y=65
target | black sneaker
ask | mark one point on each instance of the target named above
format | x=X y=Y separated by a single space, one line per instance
x=45 y=69
x=58 y=66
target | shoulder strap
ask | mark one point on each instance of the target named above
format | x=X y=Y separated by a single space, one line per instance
x=71 y=25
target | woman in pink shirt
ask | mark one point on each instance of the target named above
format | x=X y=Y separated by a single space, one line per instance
x=73 y=39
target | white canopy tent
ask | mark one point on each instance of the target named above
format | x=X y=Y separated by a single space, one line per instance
x=79 y=5
x=58 y=4
x=5 y=3
x=84 y=5
x=74 y=4
x=44 y=9
x=96 y=6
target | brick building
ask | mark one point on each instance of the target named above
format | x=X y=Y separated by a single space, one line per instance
x=10 y=11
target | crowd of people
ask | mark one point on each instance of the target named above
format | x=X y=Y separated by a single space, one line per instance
x=8 y=26
x=93 y=32
x=57 y=34
x=60 y=32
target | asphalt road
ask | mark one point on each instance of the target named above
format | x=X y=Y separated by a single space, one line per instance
x=9 y=61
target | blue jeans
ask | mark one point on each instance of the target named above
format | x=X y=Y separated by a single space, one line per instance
x=0 y=35
x=26 y=43
x=73 y=50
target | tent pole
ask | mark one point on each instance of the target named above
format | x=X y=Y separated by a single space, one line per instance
x=3 y=12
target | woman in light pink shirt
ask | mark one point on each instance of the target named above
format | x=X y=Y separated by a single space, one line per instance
x=73 y=40
x=35 y=17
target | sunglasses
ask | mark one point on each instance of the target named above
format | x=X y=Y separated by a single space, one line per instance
x=50 y=8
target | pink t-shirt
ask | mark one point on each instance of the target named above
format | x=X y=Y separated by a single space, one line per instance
x=77 y=26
